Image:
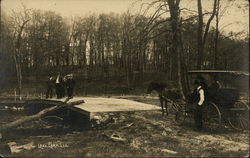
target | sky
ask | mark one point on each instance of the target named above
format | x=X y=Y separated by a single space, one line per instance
x=236 y=17
x=72 y=7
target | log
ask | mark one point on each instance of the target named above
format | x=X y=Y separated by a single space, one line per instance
x=38 y=115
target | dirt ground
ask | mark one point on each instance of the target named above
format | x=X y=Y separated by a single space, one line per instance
x=133 y=134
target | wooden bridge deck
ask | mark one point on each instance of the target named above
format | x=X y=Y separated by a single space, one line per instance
x=95 y=105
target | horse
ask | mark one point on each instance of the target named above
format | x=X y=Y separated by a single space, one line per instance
x=165 y=95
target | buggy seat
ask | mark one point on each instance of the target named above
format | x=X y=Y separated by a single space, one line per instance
x=223 y=97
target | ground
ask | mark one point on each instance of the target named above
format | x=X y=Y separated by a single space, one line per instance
x=133 y=134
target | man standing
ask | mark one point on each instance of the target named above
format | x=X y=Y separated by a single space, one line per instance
x=216 y=84
x=59 y=86
x=70 y=85
x=200 y=93
x=50 y=85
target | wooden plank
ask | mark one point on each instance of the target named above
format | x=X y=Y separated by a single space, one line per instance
x=98 y=104
x=101 y=104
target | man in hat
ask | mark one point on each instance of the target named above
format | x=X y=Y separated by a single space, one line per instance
x=70 y=85
x=200 y=93
x=50 y=86
x=216 y=84
x=59 y=86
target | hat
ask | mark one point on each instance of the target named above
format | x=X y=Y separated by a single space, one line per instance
x=197 y=81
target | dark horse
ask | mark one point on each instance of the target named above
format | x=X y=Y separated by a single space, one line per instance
x=165 y=95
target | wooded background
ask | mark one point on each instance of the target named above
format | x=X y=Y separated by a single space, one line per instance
x=117 y=53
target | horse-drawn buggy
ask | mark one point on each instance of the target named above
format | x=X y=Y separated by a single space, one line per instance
x=226 y=99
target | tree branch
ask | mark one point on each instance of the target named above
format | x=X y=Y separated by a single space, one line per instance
x=166 y=30
x=195 y=16
x=209 y=22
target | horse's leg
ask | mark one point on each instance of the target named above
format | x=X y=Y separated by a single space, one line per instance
x=166 y=107
x=162 y=108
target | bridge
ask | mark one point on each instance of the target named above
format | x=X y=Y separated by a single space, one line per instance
x=93 y=106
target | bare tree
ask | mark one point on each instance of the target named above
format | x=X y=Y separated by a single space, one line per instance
x=176 y=40
x=19 y=20
x=219 y=14
x=202 y=34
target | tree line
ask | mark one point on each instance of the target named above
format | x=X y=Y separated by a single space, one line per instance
x=34 y=40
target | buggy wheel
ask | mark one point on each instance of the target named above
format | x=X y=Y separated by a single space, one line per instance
x=211 y=115
x=180 y=113
x=239 y=118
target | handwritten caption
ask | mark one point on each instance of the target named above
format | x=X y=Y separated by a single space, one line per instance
x=52 y=145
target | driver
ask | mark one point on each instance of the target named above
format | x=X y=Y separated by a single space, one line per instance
x=200 y=93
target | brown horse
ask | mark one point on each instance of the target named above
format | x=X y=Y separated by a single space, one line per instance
x=165 y=95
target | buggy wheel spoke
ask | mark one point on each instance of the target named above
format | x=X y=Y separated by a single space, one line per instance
x=239 y=117
x=212 y=115
x=234 y=123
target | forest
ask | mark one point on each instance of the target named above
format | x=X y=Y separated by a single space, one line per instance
x=117 y=53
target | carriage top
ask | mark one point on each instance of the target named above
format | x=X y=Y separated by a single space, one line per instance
x=229 y=79
x=234 y=85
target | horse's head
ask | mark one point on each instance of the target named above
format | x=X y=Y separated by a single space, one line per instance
x=155 y=86
x=173 y=94
x=150 y=88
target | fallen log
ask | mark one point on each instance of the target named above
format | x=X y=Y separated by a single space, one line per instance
x=24 y=119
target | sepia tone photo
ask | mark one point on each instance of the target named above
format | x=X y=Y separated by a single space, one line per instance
x=124 y=78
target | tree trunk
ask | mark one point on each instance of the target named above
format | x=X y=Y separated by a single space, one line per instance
x=216 y=36
x=20 y=82
x=17 y=57
x=127 y=72
x=85 y=69
x=67 y=46
x=183 y=67
x=174 y=13
x=199 y=34
x=18 y=72
x=202 y=37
